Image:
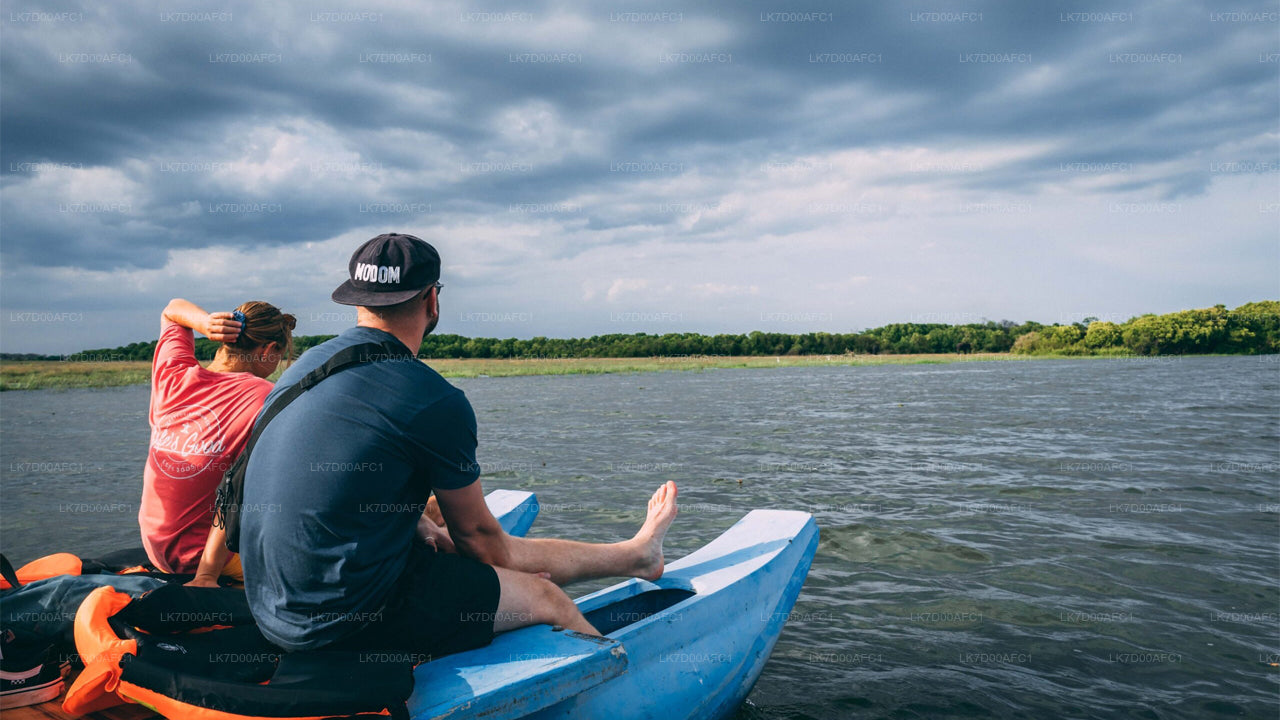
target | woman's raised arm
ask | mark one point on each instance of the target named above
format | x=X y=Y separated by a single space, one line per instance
x=219 y=327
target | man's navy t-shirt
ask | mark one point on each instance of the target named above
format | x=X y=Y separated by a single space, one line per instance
x=336 y=484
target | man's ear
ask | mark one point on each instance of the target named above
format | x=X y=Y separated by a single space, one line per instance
x=432 y=302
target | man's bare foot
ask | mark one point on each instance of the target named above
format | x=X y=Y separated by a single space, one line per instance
x=433 y=511
x=662 y=511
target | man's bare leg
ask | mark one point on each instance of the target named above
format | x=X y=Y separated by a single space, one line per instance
x=527 y=568
x=529 y=600
x=568 y=561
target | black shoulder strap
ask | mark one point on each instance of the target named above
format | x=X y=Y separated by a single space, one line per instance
x=230 y=493
x=341 y=360
x=7 y=572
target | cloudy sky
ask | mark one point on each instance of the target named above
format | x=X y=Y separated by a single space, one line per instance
x=591 y=168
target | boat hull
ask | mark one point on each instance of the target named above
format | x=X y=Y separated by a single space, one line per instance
x=694 y=642
x=515 y=510
x=699 y=658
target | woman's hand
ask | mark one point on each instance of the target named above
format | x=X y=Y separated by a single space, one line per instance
x=204 y=581
x=220 y=327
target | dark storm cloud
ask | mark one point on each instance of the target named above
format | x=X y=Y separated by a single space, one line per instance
x=1084 y=79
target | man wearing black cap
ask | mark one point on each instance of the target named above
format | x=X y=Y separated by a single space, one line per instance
x=338 y=559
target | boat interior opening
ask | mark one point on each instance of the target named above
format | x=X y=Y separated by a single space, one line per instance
x=615 y=616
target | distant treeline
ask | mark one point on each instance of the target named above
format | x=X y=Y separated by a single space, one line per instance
x=1253 y=328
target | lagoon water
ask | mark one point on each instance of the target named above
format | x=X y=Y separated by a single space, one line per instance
x=1057 y=538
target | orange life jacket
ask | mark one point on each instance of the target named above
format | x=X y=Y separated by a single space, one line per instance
x=195 y=653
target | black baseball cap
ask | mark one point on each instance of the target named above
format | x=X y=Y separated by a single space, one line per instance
x=387 y=270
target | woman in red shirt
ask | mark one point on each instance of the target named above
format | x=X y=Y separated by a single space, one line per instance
x=200 y=421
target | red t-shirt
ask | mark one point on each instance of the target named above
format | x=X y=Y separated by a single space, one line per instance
x=200 y=422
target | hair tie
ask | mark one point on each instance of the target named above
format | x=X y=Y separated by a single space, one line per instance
x=238 y=317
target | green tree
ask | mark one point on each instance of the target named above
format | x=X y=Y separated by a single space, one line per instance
x=1102 y=336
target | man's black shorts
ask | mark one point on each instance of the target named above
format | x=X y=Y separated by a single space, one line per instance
x=443 y=603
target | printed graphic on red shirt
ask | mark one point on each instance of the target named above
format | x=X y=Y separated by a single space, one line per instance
x=186 y=440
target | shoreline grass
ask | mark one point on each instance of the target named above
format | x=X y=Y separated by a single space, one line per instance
x=54 y=374
x=472 y=368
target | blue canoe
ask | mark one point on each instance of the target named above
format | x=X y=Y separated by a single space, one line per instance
x=690 y=645
x=514 y=511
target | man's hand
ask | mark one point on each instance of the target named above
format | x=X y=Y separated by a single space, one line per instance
x=435 y=535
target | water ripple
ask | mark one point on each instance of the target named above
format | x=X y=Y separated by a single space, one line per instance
x=1014 y=540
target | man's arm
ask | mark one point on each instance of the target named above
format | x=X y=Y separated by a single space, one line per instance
x=476 y=533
